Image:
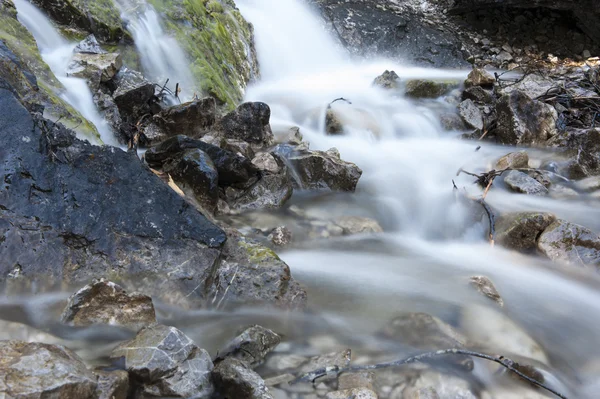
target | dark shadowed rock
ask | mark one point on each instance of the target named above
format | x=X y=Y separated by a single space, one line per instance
x=195 y=172
x=571 y=243
x=249 y=122
x=232 y=168
x=470 y=114
x=251 y=346
x=479 y=95
x=89 y=45
x=166 y=362
x=190 y=119
x=418 y=88
x=387 y=80
x=513 y=160
x=232 y=379
x=112 y=384
x=523 y=121
x=106 y=105
x=39 y=371
x=131 y=91
x=485 y=287
x=480 y=77
x=521 y=230
x=104 y=302
x=522 y=183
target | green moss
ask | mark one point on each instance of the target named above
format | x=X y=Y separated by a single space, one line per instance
x=258 y=253
x=215 y=37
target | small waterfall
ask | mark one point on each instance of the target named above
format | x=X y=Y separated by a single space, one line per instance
x=57 y=52
x=161 y=55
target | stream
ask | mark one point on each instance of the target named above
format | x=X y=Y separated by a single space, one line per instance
x=425 y=257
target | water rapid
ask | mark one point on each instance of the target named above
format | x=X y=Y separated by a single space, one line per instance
x=57 y=52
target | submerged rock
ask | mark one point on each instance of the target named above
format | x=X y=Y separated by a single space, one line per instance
x=521 y=230
x=233 y=379
x=33 y=370
x=427 y=88
x=358 y=225
x=104 y=302
x=251 y=346
x=570 y=243
x=355 y=393
x=387 y=80
x=431 y=384
x=522 y=183
x=166 y=363
x=485 y=287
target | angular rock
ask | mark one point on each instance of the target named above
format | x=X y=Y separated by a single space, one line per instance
x=33 y=370
x=521 y=230
x=470 y=114
x=479 y=95
x=522 y=183
x=238 y=147
x=523 y=121
x=109 y=109
x=387 y=80
x=504 y=56
x=251 y=346
x=533 y=85
x=485 y=286
x=281 y=236
x=292 y=136
x=189 y=119
x=166 y=362
x=513 y=160
x=358 y=225
x=248 y=122
x=112 y=384
x=266 y=162
x=131 y=91
x=89 y=45
x=570 y=243
x=95 y=68
x=233 y=379
x=356 y=393
x=269 y=192
x=104 y=302
x=427 y=88
x=232 y=168
x=195 y=172
x=480 y=77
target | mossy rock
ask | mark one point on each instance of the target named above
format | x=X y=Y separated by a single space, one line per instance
x=419 y=88
x=100 y=17
x=218 y=42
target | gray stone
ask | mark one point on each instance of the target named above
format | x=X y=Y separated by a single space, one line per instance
x=418 y=88
x=523 y=121
x=485 y=287
x=570 y=243
x=355 y=393
x=521 y=230
x=471 y=114
x=433 y=385
x=522 y=183
x=479 y=95
x=269 y=192
x=95 y=68
x=533 y=85
x=480 y=77
x=513 y=160
x=112 y=384
x=233 y=379
x=104 y=302
x=89 y=45
x=361 y=379
x=387 y=80
x=266 y=162
x=251 y=346
x=504 y=56
x=281 y=236
x=42 y=371
x=358 y=225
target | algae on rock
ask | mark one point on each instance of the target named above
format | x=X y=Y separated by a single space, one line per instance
x=218 y=42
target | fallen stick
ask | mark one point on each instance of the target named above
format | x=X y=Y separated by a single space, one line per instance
x=501 y=360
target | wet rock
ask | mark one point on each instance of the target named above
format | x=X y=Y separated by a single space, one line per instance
x=318 y=170
x=480 y=77
x=166 y=362
x=131 y=91
x=452 y=121
x=427 y=88
x=269 y=192
x=387 y=80
x=291 y=136
x=249 y=122
x=355 y=393
x=334 y=359
x=89 y=45
x=33 y=370
x=363 y=379
x=266 y=162
x=422 y=330
x=106 y=105
x=238 y=147
x=485 y=286
x=521 y=230
x=479 y=95
x=470 y=114
x=281 y=236
x=523 y=121
x=112 y=384
x=513 y=160
x=95 y=68
x=570 y=243
x=232 y=168
x=333 y=124
x=358 y=225
x=104 y=302
x=233 y=379
x=250 y=273
x=251 y=346
x=433 y=385
x=195 y=172
x=589 y=184
x=522 y=183
x=190 y=119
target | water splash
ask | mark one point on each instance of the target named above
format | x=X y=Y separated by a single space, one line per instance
x=57 y=52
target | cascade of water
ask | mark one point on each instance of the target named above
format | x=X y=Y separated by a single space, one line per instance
x=57 y=52
x=161 y=55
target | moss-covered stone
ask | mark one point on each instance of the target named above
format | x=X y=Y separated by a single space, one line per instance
x=46 y=91
x=100 y=17
x=218 y=42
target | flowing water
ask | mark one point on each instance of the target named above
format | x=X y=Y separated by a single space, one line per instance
x=424 y=259
x=57 y=52
x=162 y=57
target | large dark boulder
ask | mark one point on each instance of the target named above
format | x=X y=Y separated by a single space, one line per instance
x=391 y=30
x=191 y=118
x=248 y=122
